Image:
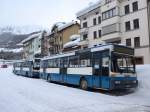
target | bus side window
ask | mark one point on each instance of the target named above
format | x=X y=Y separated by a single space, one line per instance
x=105 y=66
x=73 y=61
x=85 y=60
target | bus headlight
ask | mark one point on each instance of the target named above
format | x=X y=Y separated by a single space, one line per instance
x=134 y=81
x=113 y=74
x=117 y=82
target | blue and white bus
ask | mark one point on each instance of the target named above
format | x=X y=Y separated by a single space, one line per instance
x=27 y=68
x=106 y=67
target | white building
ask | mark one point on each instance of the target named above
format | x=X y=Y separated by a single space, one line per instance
x=32 y=46
x=118 y=21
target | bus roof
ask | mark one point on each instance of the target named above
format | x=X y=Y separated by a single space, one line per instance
x=111 y=47
x=60 y=55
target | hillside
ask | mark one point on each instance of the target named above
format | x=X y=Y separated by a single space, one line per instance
x=10 y=40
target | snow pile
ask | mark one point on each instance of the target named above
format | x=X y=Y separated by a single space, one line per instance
x=11 y=50
x=143 y=72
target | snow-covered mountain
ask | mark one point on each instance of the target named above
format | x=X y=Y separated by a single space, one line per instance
x=11 y=40
x=21 y=29
x=10 y=36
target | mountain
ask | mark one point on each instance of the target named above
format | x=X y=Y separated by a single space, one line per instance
x=20 y=29
x=10 y=36
x=10 y=40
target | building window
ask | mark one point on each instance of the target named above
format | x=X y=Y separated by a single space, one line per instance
x=135 y=6
x=127 y=25
x=100 y=33
x=84 y=18
x=96 y=13
x=85 y=25
x=99 y=20
x=128 y=42
x=136 y=23
x=137 y=42
x=85 y=36
x=108 y=14
x=127 y=9
x=95 y=34
x=94 y=21
x=139 y=60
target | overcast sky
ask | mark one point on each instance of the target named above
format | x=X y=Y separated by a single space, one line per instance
x=39 y=12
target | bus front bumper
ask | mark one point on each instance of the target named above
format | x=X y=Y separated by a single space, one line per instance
x=124 y=84
x=35 y=74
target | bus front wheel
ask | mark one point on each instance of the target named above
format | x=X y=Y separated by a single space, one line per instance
x=83 y=84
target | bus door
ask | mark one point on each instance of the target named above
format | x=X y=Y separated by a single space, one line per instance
x=63 y=72
x=105 y=79
x=96 y=70
x=63 y=69
x=21 y=68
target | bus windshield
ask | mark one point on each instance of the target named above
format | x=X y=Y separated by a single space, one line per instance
x=122 y=63
x=36 y=63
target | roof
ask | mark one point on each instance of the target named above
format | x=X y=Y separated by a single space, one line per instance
x=64 y=26
x=31 y=37
x=89 y=8
x=67 y=25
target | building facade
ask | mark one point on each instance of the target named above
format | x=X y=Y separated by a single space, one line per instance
x=32 y=46
x=60 y=35
x=118 y=21
x=44 y=44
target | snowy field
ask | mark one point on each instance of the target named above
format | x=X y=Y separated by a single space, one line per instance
x=20 y=94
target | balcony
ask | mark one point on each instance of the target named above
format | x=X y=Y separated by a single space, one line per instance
x=115 y=36
x=106 y=30
x=83 y=30
x=111 y=32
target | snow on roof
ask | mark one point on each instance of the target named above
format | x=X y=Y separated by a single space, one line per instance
x=73 y=42
x=67 y=25
x=75 y=36
x=62 y=26
x=89 y=8
x=58 y=24
x=31 y=37
x=19 y=44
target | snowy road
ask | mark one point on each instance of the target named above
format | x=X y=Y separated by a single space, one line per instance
x=20 y=94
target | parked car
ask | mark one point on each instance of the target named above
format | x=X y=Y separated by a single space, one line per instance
x=4 y=66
